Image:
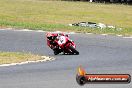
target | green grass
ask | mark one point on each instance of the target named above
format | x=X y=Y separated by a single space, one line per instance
x=16 y=57
x=56 y=15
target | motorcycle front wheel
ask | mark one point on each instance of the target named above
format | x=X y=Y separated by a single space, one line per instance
x=74 y=51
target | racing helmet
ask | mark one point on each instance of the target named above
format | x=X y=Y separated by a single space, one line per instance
x=51 y=36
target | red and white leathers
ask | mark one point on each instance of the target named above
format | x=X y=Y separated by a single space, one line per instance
x=52 y=38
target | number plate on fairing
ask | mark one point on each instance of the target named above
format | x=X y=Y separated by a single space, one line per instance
x=62 y=40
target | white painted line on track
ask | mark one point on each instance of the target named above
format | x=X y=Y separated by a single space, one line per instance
x=40 y=31
x=26 y=62
x=64 y=32
x=89 y=33
x=28 y=30
x=8 y=28
x=119 y=35
x=104 y=34
x=2 y=29
x=128 y=37
x=70 y=32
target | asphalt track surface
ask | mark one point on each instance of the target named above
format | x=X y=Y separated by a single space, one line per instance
x=98 y=54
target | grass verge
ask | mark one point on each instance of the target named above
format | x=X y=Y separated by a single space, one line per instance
x=16 y=57
x=56 y=15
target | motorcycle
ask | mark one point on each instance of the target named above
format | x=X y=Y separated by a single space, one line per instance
x=65 y=45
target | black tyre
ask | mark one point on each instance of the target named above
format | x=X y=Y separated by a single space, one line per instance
x=56 y=53
x=74 y=51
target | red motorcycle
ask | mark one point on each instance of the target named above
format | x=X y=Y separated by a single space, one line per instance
x=65 y=45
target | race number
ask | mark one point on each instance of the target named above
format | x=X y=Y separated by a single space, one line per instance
x=62 y=40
